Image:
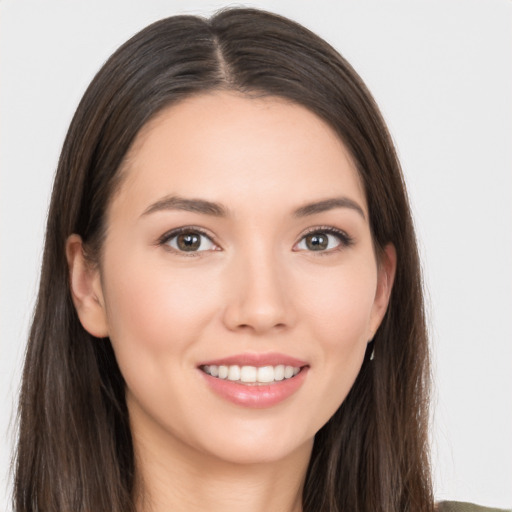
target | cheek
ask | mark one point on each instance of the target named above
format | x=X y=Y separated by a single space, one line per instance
x=340 y=303
x=156 y=317
x=340 y=307
x=152 y=310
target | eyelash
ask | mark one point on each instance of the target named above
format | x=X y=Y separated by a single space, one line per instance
x=344 y=239
x=169 y=235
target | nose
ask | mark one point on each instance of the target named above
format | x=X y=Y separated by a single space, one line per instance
x=259 y=299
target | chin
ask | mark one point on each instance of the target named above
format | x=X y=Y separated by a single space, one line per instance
x=244 y=451
x=256 y=442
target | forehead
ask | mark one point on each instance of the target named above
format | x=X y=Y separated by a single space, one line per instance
x=225 y=146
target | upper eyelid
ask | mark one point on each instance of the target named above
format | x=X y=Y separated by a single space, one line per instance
x=325 y=229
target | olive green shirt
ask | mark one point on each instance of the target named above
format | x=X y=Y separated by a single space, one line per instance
x=458 y=506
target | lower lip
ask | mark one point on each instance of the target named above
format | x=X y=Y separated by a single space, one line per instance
x=257 y=396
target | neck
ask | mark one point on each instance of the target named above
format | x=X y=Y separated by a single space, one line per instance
x=179 y=478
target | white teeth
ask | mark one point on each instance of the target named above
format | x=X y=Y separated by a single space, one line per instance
x=266 y=374
x=248 y=374
x=288 y=372
x=234 y=372
x=279 y=372
x=252 y=374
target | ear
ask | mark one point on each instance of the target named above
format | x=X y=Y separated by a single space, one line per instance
x=385 y=278
x=86 y=291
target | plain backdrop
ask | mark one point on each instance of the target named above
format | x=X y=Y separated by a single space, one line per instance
x=441 y=72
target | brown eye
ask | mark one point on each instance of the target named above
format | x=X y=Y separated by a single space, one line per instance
x=324 y=240
x=190 y=241
x=317 y=241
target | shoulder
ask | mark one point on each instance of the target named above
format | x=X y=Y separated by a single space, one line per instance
x=459 y=506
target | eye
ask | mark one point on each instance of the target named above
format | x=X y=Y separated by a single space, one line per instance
x=323 y=240
x=188 y=240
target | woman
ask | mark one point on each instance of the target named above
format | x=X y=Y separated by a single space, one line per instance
x=230 y=311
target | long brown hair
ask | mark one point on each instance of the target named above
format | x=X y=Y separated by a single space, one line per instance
x=75 y=448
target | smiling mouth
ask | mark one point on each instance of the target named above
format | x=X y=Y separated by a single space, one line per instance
x=251 y=375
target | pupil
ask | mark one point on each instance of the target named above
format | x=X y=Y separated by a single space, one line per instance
x=316 y=242
x=189 y=242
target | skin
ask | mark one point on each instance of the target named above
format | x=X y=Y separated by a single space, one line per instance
x=257 y=287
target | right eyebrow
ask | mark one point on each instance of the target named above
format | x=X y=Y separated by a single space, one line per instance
x=188 y=205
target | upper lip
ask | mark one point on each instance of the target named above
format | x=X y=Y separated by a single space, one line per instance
x=254 y=359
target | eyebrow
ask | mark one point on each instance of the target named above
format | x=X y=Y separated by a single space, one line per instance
x=218 y=210
x=329 y=204
x=188 y=205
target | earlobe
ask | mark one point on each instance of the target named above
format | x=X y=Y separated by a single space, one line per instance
x=85 y=287
x=385 y=280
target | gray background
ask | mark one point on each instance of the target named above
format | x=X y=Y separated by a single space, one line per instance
x=441 y=72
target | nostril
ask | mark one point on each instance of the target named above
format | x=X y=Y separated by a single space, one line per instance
x=261 y=326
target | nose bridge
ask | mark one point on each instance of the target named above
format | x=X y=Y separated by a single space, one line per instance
x=258 y=298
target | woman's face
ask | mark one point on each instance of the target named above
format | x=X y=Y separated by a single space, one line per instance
x=237 y=243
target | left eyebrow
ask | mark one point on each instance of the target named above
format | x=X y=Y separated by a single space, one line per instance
x=329 y=204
